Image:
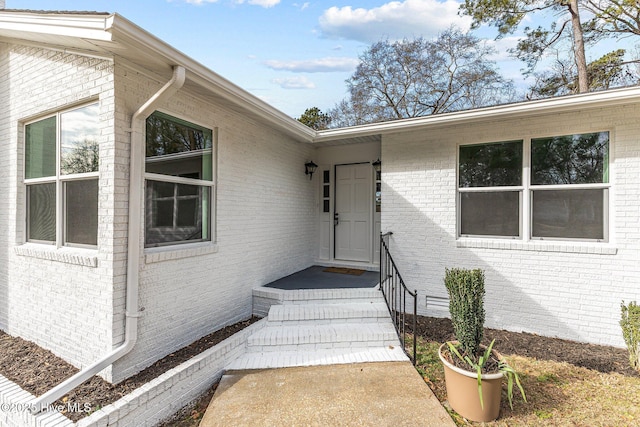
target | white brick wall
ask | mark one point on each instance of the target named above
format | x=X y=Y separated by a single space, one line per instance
x=569 y=290
x=71 y=301
x=265 y=229
x=60 y=299
x=5 y=177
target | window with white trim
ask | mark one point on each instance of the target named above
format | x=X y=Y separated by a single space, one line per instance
x=61 y=177
x=569 y=186
x=179 y=181
x=563 y=182
x=490 y=189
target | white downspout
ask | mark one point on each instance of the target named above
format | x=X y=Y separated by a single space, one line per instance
x=136 y=185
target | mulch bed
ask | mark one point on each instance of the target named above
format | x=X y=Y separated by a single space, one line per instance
x=37 y=370
x=596 y=357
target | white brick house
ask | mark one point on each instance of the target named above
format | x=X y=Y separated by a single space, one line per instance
x=230 y=207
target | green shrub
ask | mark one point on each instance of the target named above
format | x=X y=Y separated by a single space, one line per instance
x=466 y=306
x=630 y=323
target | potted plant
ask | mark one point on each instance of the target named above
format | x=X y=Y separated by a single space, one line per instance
x=473 y=372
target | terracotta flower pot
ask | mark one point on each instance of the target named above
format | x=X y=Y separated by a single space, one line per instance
x=462 y=391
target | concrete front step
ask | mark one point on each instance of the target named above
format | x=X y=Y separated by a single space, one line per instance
x=335 y=356
x=264 y=297
x=289 y=314
x=320 y=326
x=313 y=337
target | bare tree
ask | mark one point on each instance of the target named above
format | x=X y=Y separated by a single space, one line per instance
x=413 y=78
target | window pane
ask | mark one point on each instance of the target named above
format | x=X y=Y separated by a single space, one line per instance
x=182 y=217
x=81 y=212
x=79 y=140
x=188 y=190
x=163 y=211
x=570 y=159
x=41 y=215
x=163 y=190
x=188 y=213
x=40 y=150
x=576 y=214
x=491 y=165
x=178 y=148
x=490 y=213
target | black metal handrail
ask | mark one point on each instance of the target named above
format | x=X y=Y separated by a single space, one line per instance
x=395 y=294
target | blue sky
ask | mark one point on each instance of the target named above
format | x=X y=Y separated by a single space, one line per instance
x=292 y=54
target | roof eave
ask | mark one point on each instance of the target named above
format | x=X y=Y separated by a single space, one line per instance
x=123 y=29
x=108 y=34
x=81 y=25
x=517 y=110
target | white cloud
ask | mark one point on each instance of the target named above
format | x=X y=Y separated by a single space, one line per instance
x=502 y=46
x=395 y=20
x=320 y=65
x=302 y=6
x=298 y=82
x=262 y=3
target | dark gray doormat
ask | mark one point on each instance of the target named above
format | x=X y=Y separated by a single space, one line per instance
x=317 y=278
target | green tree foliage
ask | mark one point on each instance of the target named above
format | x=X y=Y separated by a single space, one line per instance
x=608 y=18
x=615 y=17
x=419 y=77
x=606 y=72
x=506 y=15
x=315 y=118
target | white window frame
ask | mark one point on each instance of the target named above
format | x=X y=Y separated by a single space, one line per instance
x=520 y=189
x=212 y=185
x=59 y=179
x=526 y=193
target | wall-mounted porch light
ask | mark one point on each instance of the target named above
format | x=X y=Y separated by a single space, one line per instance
x=377 y=165
x=310 y=168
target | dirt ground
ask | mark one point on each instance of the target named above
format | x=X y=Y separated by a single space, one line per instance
x=596 y=357
x=37 y=370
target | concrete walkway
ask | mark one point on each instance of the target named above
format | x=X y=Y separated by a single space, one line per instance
x=362 y=394
x=326 y=357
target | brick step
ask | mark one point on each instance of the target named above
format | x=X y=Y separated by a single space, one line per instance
x=328 y=313
x=284 y=359
x=280 y=338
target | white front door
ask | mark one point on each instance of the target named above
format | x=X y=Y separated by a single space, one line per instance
x=352 y=214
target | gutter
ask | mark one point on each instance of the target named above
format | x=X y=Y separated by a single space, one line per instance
x=136 y=185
